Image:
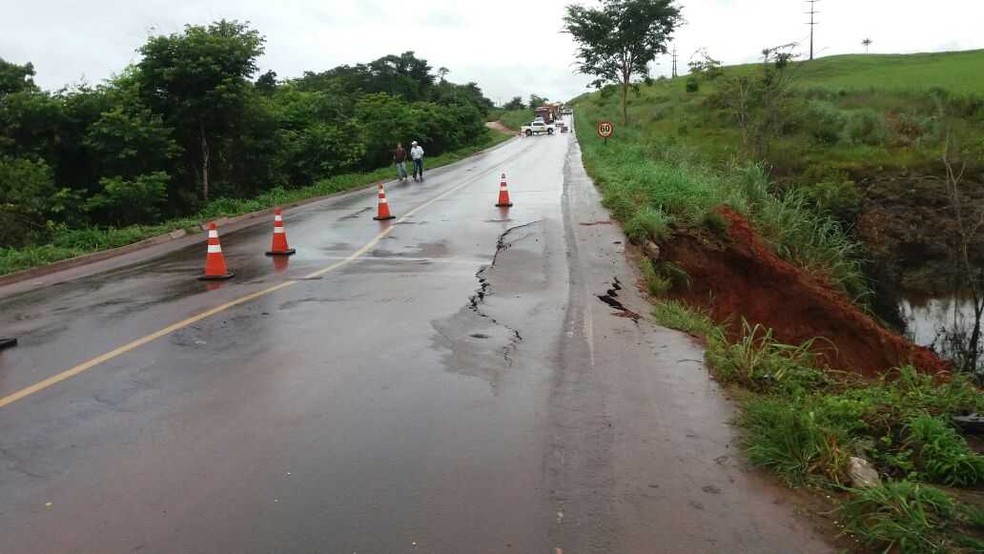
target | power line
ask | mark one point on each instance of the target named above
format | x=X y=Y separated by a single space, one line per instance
x=813 y=23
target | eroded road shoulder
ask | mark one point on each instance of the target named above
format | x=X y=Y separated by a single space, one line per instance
x=642 y=456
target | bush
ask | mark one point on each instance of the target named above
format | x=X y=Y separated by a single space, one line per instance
x=865 y=126
x=125 y=202
x=836 y=195
x=825 y=123
x=26 y=188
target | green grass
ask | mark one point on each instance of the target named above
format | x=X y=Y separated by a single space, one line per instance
x=804 y=423
x=69 y=243
x=901 y=517
x=683 y=157
x=677 y=315
x=956 y=71
x=847 y=113
x=653 y=185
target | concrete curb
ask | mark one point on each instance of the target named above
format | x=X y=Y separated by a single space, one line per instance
x=94 y=257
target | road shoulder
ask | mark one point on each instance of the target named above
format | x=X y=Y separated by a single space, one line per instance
x=641 y=442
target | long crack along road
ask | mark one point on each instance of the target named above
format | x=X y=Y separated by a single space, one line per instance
x=450 y=381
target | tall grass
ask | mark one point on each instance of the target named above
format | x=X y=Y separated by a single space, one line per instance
x=805 y=424
x=653 y=184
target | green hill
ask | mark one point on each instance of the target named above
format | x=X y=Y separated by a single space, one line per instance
x=859 y=137
x=961 y=72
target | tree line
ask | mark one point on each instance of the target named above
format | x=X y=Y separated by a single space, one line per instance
x=191 y=121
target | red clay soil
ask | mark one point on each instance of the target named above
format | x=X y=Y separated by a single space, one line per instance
x=744 y=277
x=498 y=126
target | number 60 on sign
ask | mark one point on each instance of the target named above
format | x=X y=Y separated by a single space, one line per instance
x=605 y=129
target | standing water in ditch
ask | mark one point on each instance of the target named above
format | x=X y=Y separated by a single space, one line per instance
x=930 y=320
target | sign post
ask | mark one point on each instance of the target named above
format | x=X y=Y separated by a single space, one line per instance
x=605 y=130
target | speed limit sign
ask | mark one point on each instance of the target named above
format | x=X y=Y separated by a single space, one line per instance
x=605 y=129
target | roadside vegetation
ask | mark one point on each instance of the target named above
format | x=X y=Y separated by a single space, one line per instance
x=64 y=242
x=191 y=131
x=514 y=119
x=805 y=423
x=690 y=157
x=895 y=162
x=515 y=113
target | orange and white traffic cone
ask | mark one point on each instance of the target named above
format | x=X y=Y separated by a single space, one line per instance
x=279 y=246
x=503 y=194
x=215 y=265
x=383 y=212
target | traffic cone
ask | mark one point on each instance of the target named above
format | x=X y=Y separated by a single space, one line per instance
x=215 y=265
x=279 y=246
x=383 y=212
x=503 y=194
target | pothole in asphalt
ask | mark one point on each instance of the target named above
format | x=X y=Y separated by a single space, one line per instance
x=479 y=336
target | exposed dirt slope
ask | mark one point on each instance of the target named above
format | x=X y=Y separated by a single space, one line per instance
x=742 y=276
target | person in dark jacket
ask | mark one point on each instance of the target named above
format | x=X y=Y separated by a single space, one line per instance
x=400 y=158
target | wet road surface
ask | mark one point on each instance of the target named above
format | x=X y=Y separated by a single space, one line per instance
x=447 y=382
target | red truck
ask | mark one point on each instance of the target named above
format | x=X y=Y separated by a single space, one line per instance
x=549 y=112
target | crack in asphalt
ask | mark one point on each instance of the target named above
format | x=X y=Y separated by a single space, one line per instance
x=484 y=289
x=611 y=298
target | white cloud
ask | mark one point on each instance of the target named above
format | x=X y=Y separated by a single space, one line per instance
x=510 y=47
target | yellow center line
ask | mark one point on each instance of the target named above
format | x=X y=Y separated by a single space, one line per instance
x=102 y=358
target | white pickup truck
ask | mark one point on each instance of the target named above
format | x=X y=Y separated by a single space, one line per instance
x=537 y=127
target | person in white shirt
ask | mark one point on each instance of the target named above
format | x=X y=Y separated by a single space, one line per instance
x=417 y=155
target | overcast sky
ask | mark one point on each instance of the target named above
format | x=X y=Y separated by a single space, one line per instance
x=509 y=47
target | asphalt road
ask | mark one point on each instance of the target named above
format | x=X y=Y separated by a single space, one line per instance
x=446 y=382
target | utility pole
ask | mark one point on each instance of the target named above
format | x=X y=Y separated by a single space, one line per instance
x=674 y=61
x=813 y=23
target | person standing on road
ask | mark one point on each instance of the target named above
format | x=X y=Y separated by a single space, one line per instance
x=417 y=154
x=400 y=157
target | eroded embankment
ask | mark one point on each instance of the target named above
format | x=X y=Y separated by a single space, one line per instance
x=738 y=276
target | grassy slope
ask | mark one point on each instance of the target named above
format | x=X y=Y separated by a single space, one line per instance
x=958 y=72
x=672 y=167
x=846 y=88
x=961 y=72
x=70 y=243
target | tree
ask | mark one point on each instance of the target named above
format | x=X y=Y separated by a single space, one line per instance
x=199 y=80
x=515 y=104
x=618 y=40
x=536 y=101
x=15 y=78
x=866 y=42
x=267 y=82
x=26 y=189
x=442 y=73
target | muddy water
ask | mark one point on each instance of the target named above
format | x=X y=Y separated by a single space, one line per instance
x=925 y=317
